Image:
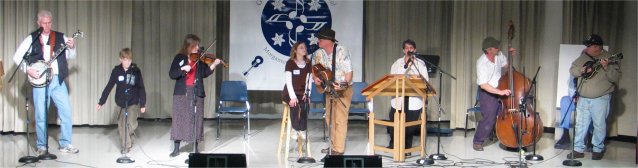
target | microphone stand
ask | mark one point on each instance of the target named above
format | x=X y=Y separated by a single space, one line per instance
x=194 y=105
x=126 y=159
x=571 y=161
x=533 y=156
x=333 y=95
x=438 y=155
x=28 y=158
x=46 y=155
x=306 y=103
x=423 y=160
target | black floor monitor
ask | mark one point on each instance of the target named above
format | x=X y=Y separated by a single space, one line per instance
x=216 y=160
x=353 y=161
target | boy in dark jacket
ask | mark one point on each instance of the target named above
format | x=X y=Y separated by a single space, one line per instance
x=130 y=96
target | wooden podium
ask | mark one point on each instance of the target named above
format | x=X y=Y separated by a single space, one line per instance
x=398 y=86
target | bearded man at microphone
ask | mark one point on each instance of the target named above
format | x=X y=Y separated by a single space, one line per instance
x=407 y=64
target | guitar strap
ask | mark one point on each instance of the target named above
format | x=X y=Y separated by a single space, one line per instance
x=51 y=45
x=334 y=60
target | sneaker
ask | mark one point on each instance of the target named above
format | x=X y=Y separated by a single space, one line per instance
x=293 y=134
x=302 y=134
x=576 y=155
x=597 y=155
x=69 y=149
x=41 y=151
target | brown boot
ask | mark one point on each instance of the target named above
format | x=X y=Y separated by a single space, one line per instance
x=597 y=155
x=576 y=155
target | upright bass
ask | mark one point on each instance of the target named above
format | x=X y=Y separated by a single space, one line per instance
x=516 y=122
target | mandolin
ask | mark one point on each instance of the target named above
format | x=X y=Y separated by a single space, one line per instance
x=596 y=66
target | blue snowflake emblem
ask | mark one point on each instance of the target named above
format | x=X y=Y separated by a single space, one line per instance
x=284 y=22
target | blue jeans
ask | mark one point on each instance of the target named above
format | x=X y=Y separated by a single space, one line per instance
x=60 y=96
x=592 y=110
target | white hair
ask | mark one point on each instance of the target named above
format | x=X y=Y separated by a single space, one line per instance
x=43 y=14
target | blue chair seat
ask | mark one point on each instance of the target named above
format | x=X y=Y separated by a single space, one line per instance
x=317 y=110
x=474 y=109
x=233 y=109
x=361 y=111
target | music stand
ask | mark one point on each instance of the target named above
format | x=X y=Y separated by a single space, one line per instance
x=432 y=59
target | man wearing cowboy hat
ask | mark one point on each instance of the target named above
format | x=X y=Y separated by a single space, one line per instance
x=336 y=109
x=594 y=95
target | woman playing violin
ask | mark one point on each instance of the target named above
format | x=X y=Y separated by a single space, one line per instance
x=188 y=94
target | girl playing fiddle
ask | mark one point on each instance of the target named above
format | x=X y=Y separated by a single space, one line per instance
x=188 y=94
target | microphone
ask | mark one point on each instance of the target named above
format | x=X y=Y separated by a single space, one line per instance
x=38 y=31
x=411 y=54
x=408 y=63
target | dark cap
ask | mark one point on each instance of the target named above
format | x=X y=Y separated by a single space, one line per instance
x=326 y=33
x=491 y=42
x=593 y=39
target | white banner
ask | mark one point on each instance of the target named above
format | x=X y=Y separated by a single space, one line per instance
x=263 y=32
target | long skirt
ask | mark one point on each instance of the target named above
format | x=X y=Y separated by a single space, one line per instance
x=183 y=113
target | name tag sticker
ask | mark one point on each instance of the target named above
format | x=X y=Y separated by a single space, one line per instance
x=296 y=72
x=120 y=78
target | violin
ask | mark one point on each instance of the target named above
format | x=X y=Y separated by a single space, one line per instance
x=207 y=58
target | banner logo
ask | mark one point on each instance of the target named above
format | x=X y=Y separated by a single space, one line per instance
x=284 y=22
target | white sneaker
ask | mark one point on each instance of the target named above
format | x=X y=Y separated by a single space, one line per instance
x=40 y=151
x=69 y=149
x=293 y=134
x=302 y=134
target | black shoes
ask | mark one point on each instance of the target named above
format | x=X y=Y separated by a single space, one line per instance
x=576 y=155
x=173 y=154
x=597 y=155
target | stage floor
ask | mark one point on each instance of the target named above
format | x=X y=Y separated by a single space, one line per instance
x=99 y=147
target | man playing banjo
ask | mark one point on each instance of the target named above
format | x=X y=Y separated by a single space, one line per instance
x=44 y=49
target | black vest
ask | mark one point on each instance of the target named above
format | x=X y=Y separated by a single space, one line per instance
x=37 y=54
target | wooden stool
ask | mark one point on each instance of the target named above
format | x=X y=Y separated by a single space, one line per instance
x=285 y=136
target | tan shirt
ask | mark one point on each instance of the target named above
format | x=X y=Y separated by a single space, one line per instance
x=601 y=83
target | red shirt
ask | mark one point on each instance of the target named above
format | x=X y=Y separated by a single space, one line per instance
x=190 y=75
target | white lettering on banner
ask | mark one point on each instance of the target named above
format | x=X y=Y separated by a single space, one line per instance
x=273 y=57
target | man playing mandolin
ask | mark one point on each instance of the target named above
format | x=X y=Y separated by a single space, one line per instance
x=594 y=91
x=337 y=109
x=43 y=48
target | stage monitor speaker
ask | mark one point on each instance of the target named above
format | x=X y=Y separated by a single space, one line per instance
x=216 y=160
x=353 y=161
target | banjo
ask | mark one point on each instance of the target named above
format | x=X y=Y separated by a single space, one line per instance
x=43 y=68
